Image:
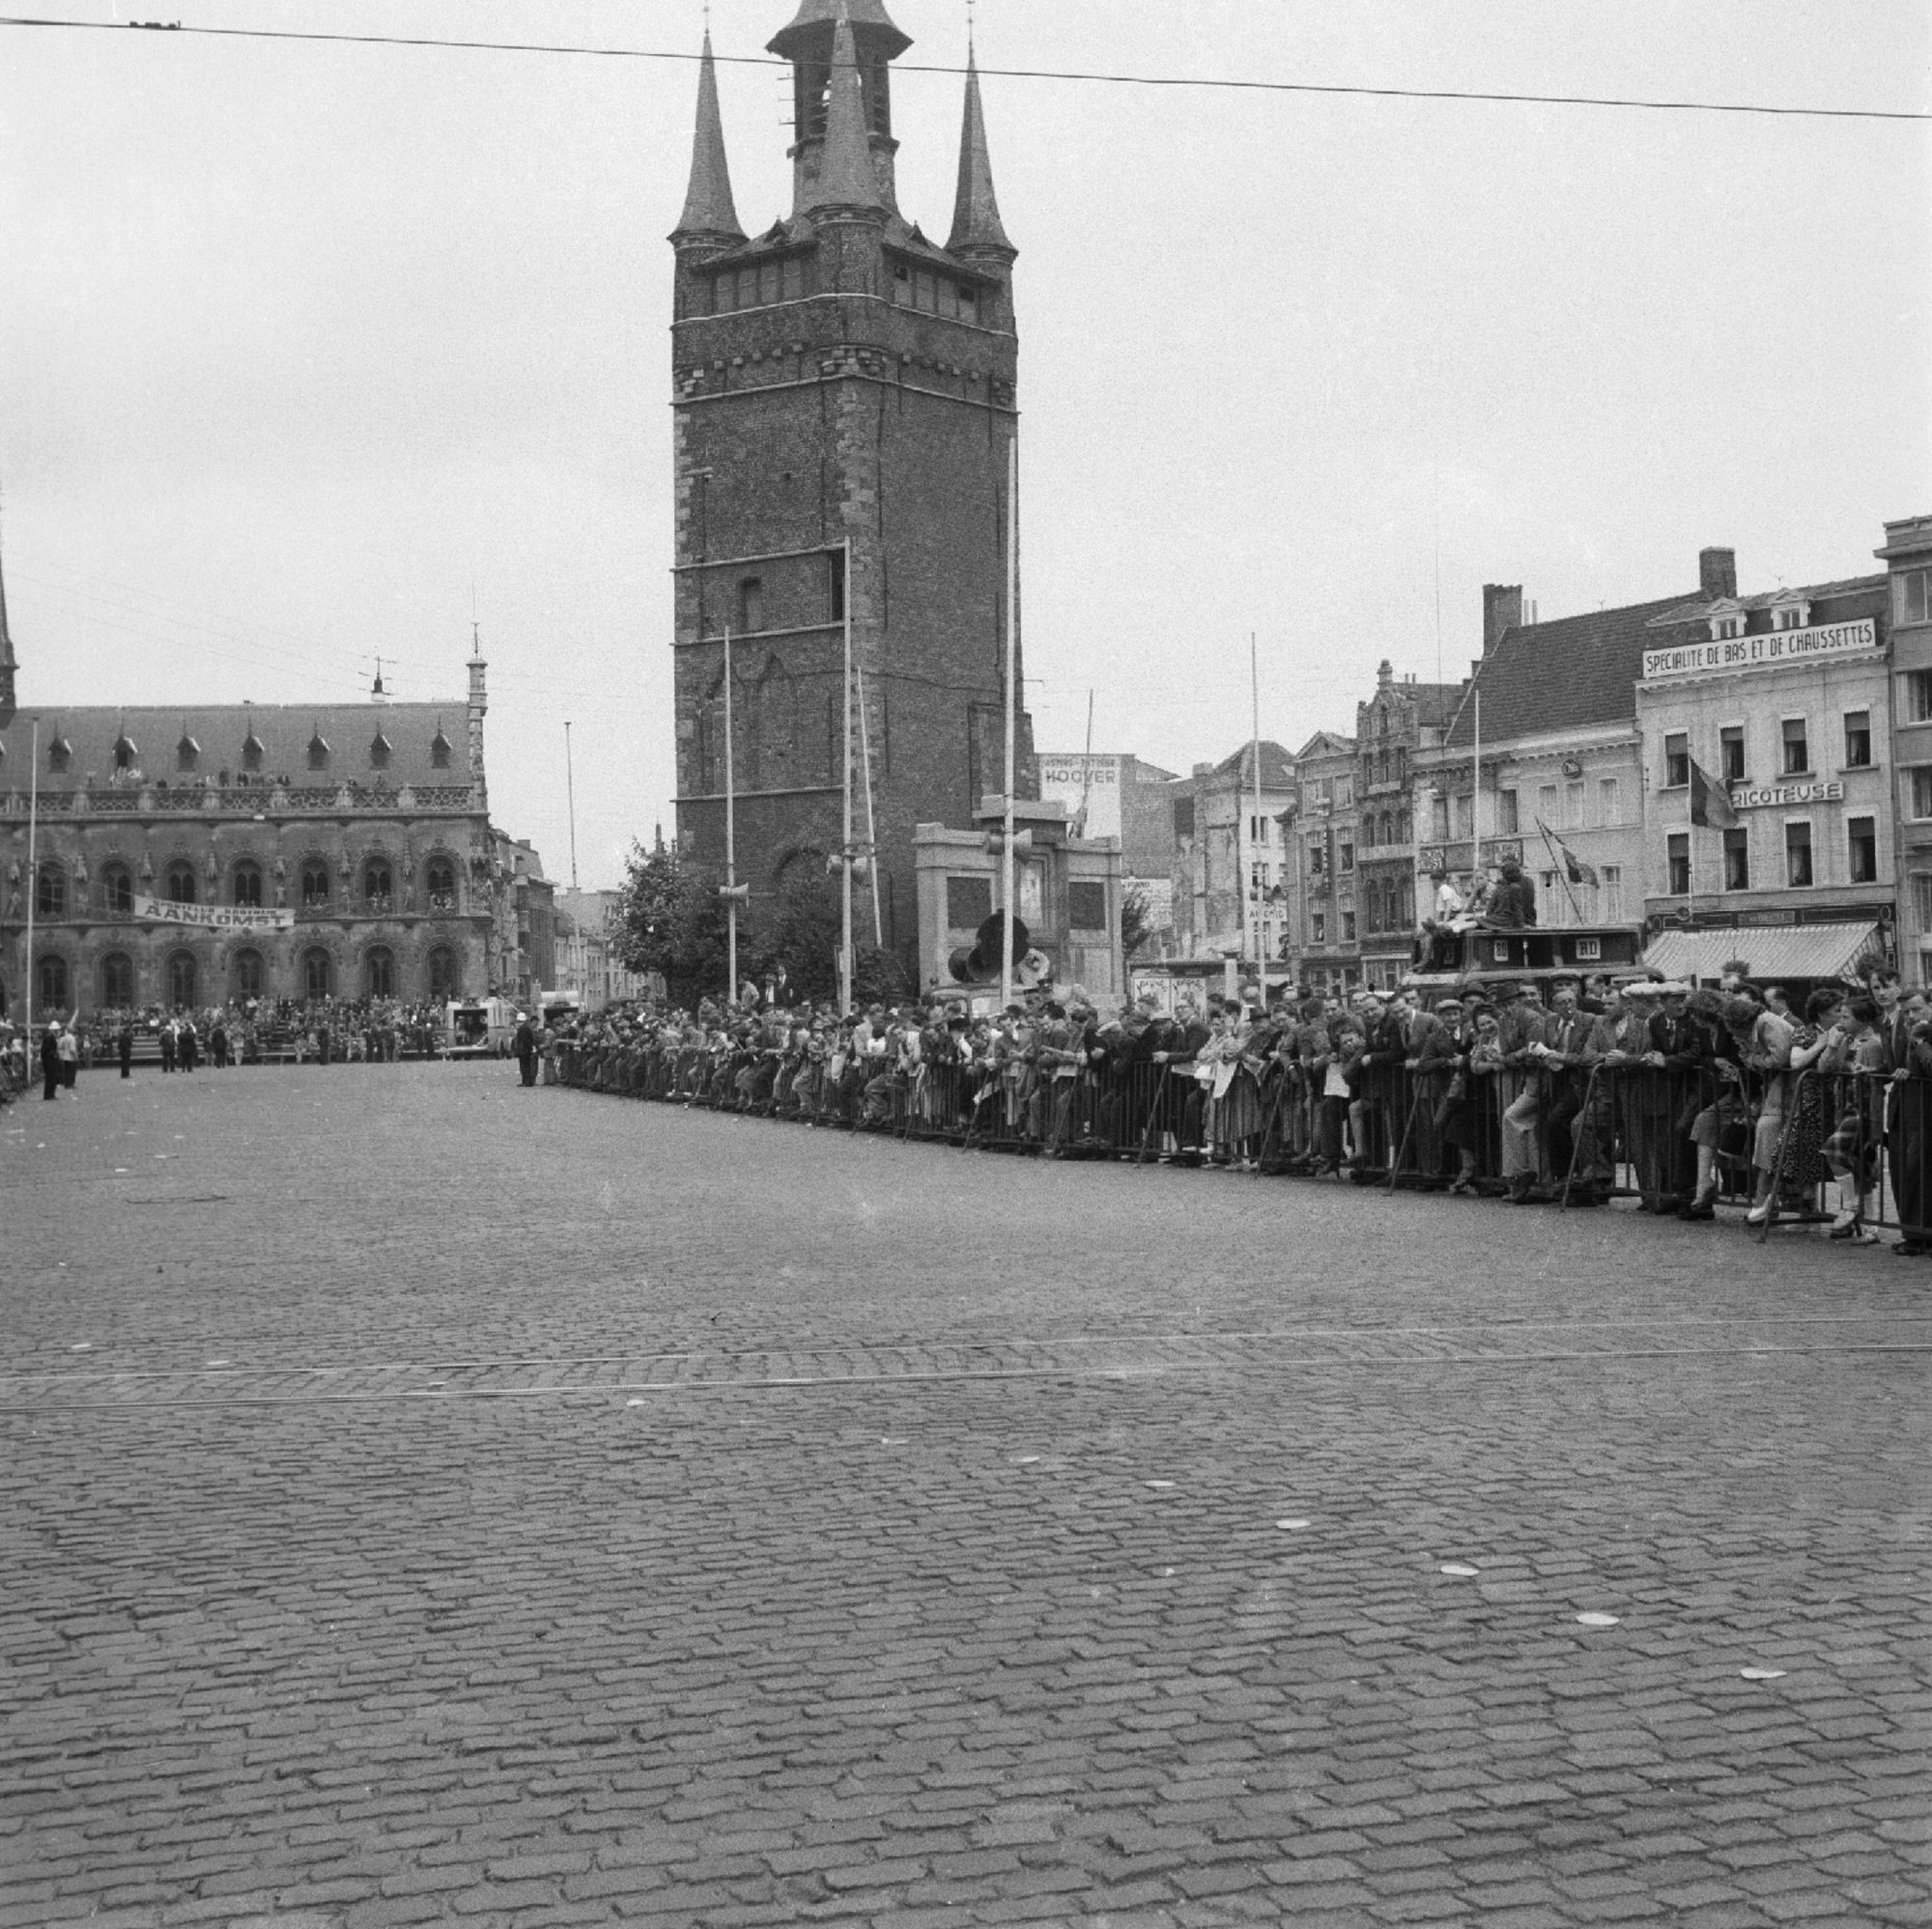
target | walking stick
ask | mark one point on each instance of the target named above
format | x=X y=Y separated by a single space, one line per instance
x=1777 y=1163
x=1395 y=1164
x=1153 y=1106
x=1576 y=1137
x=1274 y=1117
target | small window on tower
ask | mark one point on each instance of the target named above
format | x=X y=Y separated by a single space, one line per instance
x=836 y=574
x=751 y=604
x=969 y=303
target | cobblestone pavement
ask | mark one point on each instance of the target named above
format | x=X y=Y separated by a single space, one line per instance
x=427 y=1500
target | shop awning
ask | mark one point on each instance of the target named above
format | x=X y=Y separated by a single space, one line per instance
x=1771 y=950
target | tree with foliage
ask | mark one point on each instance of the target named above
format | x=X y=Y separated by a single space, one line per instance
x=1136 y=918
x=671 y=921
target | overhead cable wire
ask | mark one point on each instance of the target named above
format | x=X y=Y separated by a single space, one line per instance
x=1480 y=96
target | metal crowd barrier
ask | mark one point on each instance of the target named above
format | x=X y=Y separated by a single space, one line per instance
x=1570 y=1137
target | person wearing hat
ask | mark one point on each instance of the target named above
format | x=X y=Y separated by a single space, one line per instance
x=1513 y=902
x=1520 y=1033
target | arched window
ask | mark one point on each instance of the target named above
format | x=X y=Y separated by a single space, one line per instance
x=442 y=973
x=183 y=978
x=116 y=891
x=248 y=883
x=50 y=894
x=181 y=884
x=318 y=974
x=52 y=974
x=315 y=885
x=441 y=878
x=117 y=981
x=318 y=752
x=375 y=886
x=439 y=751
x=245 y=974
x=379 y=973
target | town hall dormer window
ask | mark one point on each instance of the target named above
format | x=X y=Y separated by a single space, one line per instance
x=251 y=751
x=439 y=751
x=126 y=752
x=60 y=754
x=188 y=753
x=318 y=752
x=379 y=752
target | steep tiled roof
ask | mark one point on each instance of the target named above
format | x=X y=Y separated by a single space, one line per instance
x=1565 y=674
x=220 y=732
x=1277 y=765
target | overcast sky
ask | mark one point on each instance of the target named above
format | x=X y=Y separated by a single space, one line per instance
x=301 y=345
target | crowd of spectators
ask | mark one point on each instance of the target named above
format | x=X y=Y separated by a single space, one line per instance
x=1813 y=1101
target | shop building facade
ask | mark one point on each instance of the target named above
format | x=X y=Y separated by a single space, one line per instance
x=1782 y=701
x=1907 y=554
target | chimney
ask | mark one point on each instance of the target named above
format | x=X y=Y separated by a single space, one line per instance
x=1718 y=573
x=1502 y=610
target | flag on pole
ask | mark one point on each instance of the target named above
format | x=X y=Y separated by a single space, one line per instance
x=1710 y=800
x=1574 y=867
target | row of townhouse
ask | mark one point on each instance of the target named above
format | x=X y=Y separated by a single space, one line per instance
x=1576 y=746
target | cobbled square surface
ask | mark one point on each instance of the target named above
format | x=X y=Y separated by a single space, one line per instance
x=427 y=1500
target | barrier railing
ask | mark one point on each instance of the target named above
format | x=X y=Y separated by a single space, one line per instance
x=1852 y=1145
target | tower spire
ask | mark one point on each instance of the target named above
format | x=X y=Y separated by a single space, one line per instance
x=709 y=213
x=976 y=213
x=845 y=175
x=8 y=665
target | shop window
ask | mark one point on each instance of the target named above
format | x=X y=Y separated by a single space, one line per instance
x=180 y=882
x=1677 y=850
x=1798 y=856
x=1676 y=760
x=1857 y=740
x=1731 y=752
x=1797 y=747
x=1737 y=860
x=1864 y=834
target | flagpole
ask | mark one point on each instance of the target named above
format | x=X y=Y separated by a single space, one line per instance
x=730 y=835
x=33 y=874
x=846 y=848
x=1562 y=869
x=872 y=826
x=1476 y=805
x=1012 y=627
x=1255 y=844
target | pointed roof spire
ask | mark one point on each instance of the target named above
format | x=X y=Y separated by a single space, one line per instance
x=976 y=213
x=845 y=177
x=8 y=665
x=708 y=208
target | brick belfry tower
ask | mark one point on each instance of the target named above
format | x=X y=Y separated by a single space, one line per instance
x=839 y=377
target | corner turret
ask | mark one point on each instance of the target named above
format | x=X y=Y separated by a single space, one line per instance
x=709 y=223
x=978 y=235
